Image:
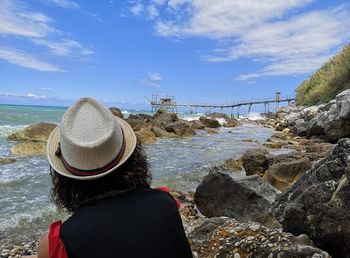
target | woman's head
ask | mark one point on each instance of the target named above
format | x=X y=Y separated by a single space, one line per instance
x=70 y=194
x=92 y=155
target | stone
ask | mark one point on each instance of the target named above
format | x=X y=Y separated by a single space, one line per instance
x=4 y=161
x=231 y=122
x=180 y=128
x=210 y=123
x=145 y=136
x=273 y=145
x=233 y=164
x=318 y=203
x=164 y=117
x=139 y=121
x=36 y=132
x=159 y=132
x=117 y=112
x=29 y=148
x=221 y=195
x=255 y=161
x=284 y=174
x=217 y=115
x=197 y=125
x=212 y=131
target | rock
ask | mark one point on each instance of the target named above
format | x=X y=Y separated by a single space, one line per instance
x=164 y=117
x=4 y=161
x=139 y=121
x=284 y=174
x=212 y=131
x=227 y=237
x=250 y=140
x=145 y=136
x=318 y=203
x=273 y=145
x=29 y=148
x=233 y=164
x=196 y=124
x=335 y=122
x=217 y=115
x=180 y=128
x=255 y=161
x=210 y=123
x=117 y=112
x=162 y=133
x=300 y=127
x=221 y=195
x=36 y=132
x=231 y=122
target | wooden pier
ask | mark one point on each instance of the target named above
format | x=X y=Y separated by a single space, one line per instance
x=169 y=103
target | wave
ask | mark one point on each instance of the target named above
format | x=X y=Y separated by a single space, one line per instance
x=6 y=130
x=252 y=116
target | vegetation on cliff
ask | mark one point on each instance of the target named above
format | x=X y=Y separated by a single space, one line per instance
x=332 y=78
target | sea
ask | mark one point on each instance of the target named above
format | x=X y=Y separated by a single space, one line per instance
x=179 y=163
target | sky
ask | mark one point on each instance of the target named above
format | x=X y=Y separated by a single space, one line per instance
x=53 y=52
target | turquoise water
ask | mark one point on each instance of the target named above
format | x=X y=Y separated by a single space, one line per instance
x=25 y=209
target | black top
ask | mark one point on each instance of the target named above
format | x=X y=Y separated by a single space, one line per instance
x=140 y=223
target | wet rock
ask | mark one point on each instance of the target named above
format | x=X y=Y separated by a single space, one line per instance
x=145 y=136
x=162 y=133
x=217 y=115
x=212 y=131
x=4 y=161
x=196 y=124
x=255 y=161
x=36 y=132
x=164 y=117
x=29 y=148
x=284 y=174
x=225 y=237
x=210 y=123
x=273 y=145
x=318 y=203
x=221 y=195
x=139 y=121
x=117 y=112
x=180 y=128
x=231 y=122
x=233 y=164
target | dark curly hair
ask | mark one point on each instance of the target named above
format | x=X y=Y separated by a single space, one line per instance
x=70 y=194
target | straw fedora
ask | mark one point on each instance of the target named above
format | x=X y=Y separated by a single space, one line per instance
x=90 y=141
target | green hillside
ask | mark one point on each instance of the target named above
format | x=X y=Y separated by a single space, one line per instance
x=332 y=78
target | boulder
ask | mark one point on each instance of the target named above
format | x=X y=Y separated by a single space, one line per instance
x=231 y=122
x=318 y=203
x=29 y=148
x=139 y=121
x=159 y=132
x=221 y=195
x=227 y=237
x=255 y=161
x=36 y=132
x=164 y=117
x=196 y=124
x=180 y=128
x=145 y=136
x=300 y=127
x=210 y=123
x=216 y=115
x=212 y=131
x=117 y=112
x=4 y=161
x=284 y=174
x=233 y=164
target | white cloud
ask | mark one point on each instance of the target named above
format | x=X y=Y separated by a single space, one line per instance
x=48 y=89
x=63 y=3
x=17 y=57
x=137 y=9
x=64 y=47
x=153 y=80
x=284 y=37
x=21 y=95
x=17 y=20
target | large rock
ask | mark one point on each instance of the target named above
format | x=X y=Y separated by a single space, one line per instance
x=139 y=121
x=116 y=112
x=37 y=132
x=210 y=123
x=145 y=136
x=335 y=122
x=4 y=161
x=159 y=132
x=231 y=122
x=221 y=195
x=164 y=117
x=284 y=174
x=255 y=161
x=29 y=148
x=318 y=204
x=216 y=115
x=180 y=128
x=225 y=237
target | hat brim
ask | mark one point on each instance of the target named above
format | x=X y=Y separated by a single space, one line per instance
x=57 y=164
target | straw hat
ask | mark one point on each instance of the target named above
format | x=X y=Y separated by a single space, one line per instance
x=90 y=141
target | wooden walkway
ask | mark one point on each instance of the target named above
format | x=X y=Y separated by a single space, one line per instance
x=170 y=104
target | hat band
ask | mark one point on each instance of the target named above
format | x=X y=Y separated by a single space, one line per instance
x=92 y=172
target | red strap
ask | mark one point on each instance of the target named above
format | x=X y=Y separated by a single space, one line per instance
x=56 y=247
x=165 y=189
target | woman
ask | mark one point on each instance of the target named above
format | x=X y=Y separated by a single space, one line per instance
x=100 y=175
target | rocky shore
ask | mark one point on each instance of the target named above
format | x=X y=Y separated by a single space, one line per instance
x=294 y=204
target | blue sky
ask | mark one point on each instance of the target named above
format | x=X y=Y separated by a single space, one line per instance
x=203 y=51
